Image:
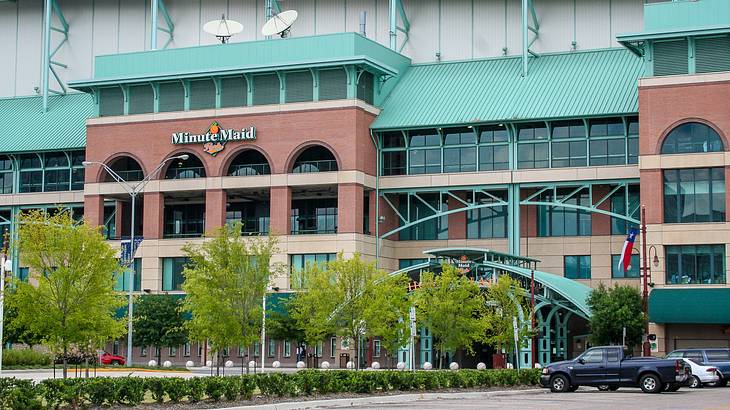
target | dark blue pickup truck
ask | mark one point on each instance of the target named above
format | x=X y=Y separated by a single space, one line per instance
x=719 y=358
x=607 y=366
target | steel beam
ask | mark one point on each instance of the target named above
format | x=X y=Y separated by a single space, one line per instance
x=528 y=11
x=158 y=7
x=396 y=9
x=51 y=7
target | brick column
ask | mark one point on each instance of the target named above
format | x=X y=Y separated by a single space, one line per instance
x=457 y=221
x=528 y=213
x=94 y=209
x=154 y=214
x=727 y=195
x=350 y=200
x=391 y=219
x=215 y=209
x=601 y=224
x=652 y=195
x=119 y=218
x=280 y=211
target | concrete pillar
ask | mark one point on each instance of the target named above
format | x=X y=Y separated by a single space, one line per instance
x=280 y=214
x=215 y=209
x=94 y=209
x=154 y=214
x=457 y=221
x=350 y=206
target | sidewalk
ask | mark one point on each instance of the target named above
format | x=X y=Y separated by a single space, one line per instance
x=387 y=399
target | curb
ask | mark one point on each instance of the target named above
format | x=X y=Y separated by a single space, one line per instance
x=383 y=400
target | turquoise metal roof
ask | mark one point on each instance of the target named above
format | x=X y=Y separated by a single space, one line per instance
x=576 y=84
x=25 y=127
x=251 y=56
x=684 y=305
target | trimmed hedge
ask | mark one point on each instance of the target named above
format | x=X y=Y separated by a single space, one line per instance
x=131 y=391
x=25 y=357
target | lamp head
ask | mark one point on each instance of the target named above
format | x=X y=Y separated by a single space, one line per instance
x=655 y=261
x=184 y=157
x=86 y=163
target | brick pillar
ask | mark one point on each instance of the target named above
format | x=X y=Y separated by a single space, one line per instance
x=215 y=209
x=280 y=211
x=457 y=221
x=373 y=200
x=350 y=200
x=94 y=209
x=601 y=224
x=119 y=218
x=652 y=195
x=154 y=214
x=528 y=217
x=390 y=218
x=727 y=195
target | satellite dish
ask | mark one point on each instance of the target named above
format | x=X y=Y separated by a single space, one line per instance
x=280 y=23
x=223 y=29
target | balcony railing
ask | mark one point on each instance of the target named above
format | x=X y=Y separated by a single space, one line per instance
x=131 y=175
x=244 y=170
x=314 y=224
x=184 y=228
x=253 y=226
x=325 y=165
x=185 y=173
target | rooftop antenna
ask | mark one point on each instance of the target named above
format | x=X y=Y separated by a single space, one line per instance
x=280 y=24
x=223 y=29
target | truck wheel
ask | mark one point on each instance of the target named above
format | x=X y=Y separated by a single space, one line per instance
x=559 y=384
x=603 y=387
x=650 y=383
x=115 y=363
x=672 y=387
x=695 y=382
x=722 y=382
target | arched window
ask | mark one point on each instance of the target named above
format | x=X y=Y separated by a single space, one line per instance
x=6 y=175
x=692 y=137
x=315 y=159
x=249 y=162
x=127 y=168
x=184 y=169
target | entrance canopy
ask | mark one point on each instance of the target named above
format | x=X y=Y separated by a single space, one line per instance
x=484 y=266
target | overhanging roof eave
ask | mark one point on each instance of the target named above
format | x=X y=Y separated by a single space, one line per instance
x=653 y=35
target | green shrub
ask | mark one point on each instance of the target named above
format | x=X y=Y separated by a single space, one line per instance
x=57 y=392
x=156 y=387
x=196 y=389
x=100 y=390
x=25 y=357
x=231 y=388
x=130 y=390
x=246 y=387
x=176 y=388
x=19 y=394
x=214 y=387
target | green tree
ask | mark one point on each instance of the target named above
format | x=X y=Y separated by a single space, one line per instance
x=70 y=298
x=15 y=332
x=612 y=309
x=507 y=300
x=387 y=313
x=159 y=322
x=225 y=282
x=339 y=299
x=281 y=325
x=452 y=307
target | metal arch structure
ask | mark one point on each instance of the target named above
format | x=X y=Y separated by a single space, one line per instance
x=396 y=9
x=51 y=7
x=528 y=13
x=157 y=7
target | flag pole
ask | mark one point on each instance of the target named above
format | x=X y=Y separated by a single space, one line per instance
x=645 y=292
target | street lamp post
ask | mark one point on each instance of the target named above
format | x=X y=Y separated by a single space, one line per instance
x=263 y=327
x=646 y=351
x=133 y=191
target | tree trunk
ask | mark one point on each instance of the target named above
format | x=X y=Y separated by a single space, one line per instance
x=159 y=356
x=357 y=352
x=65 y=362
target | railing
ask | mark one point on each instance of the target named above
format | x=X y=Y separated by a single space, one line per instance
x=185 y=173
x=184 y=229
x=253 y=226
x=325 y=165
x=314 y=224
x=249 y=169
x=131 y=175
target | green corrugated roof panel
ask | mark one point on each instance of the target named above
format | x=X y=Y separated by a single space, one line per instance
x=709 y=306
x=25 y=127
x=576 y=84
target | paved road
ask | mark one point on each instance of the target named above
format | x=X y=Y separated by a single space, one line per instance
x=707 y=398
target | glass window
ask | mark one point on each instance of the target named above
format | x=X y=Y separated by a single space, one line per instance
x=694 y=195
x=186 y=349
x=314 y=216
x=618 y=206
x=561 y=221
x=300 y=261
x=6 y=175
x=696 y=356
x=633 y=143
x=493 y=157
x=430 y=229
x=532 y=155
x=315 y=159
x=377 y=348
x=333 y=346
x=188 y=168
x=172 y=351
x=617 y=272
x=287 y=348
x=424 y=161
x=143 y=351
x=593 y=356
x=184 y=220
x=577 y=267
x=532 y=131
x=493 y=133
x=459 y=136
x=690 y=138
x=569 y=154
x=424 y=138
x=172 y=273
x=122 y=284
x=718 y=355
x=488 y=222
x=271 y=349
x=568 y=129
x=460 y=159
x=695 y=264
x=393 y=139
x=613 y=355
x=394 y=163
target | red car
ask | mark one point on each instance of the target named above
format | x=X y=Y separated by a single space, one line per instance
x=111 y=359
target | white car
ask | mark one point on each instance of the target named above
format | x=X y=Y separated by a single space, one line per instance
x=701 y=374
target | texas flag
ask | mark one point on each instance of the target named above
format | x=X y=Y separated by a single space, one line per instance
x=625 y=260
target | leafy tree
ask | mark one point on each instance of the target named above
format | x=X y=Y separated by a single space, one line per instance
x=387 y=313
x=282 y=326
x=15 y=332
x=342 y=298
x=70 y=298
x=159 y=322
x=612 y=309
x=452 y=307
x=225 y=283
x=506 y=300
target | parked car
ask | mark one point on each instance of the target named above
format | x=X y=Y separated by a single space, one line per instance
x=111 y=359
x=609 y=366
x=701 y=374
x=719 y=358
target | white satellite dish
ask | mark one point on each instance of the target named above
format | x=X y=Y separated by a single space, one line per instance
x=223 y=29
x=280 y=23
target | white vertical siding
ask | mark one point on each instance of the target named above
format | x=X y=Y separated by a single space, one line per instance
x=593 y=26
x=556 y=25
x=30 y=41
x=185 y=14
x=456 y=29
x=330 y=16
x=352 y=20
x=513 y=23
x=489 y=25
x=246 y=12
x=8 y=31
x=105 y=34
x=211 y=10
x=304 y=26
x=423 y=43
x=627 y=16
x=78 y=52
x=132 y=26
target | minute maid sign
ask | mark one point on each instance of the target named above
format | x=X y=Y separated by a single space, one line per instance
x=215 y=138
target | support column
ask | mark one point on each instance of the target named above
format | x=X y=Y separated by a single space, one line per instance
x=561 y=335
x=215 y=209
x=94 y=209
x=373 y=200
x=280 y=213
x=350 y=207
x=543 y=340
x=457 y=221
x=601 y=224
x=651 y=194
x=119 y=224
x=513 y=219
x=154 y=215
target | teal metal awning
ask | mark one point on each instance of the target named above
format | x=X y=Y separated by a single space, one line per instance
x=24 y=127
x=563 y=85
x=245 y=57
x=691 y=306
